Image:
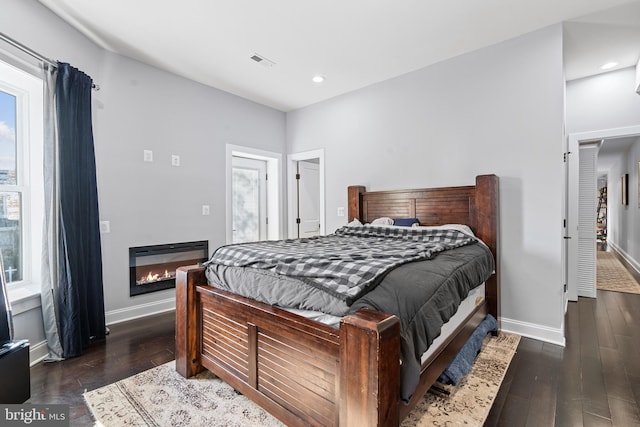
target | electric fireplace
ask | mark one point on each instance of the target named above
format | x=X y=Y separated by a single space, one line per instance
x=153 y=268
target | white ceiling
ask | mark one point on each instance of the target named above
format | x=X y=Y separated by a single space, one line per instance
x=353 y=43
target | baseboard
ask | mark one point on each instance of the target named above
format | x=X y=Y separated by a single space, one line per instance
x=138 y=311
x=38 y=352
x=532 y=330
x=626 y=259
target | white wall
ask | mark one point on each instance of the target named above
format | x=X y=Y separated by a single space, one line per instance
x=497 y=110
x=144 y=108
x=138 y=108
x=605 y=101
x=624 y=221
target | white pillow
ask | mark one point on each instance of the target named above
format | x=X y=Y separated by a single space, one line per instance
x=382 y=221
x=355 y=223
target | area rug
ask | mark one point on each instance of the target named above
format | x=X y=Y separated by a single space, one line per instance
x=161 y=397
x=611 y=275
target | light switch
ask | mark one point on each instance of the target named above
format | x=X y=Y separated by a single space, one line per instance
x=340 y=211
x=205 y=209
x=105 y=227
x=148 y=156
x=175 y=160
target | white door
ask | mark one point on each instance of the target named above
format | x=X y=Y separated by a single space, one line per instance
x=587 y=202
x=571 y=230
x=249 y=199
x=308 y=200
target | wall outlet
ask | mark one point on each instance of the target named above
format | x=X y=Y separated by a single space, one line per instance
x=148 y=156
x=175 y=160
x=105 y=227
x=340 y=211
x=205 y=210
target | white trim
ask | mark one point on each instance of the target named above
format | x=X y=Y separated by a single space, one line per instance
x=291 y=187
x=532 y=330
x=24 y=298
x=632 y=262
x=137 y=311
x=38 y=352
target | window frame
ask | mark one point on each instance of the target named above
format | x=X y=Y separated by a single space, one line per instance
x=29 y=92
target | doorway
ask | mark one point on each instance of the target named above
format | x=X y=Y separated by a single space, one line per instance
x=306 y=194
x=257 y=174
x=574 y=207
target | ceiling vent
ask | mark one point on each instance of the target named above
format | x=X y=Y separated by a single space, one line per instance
x=263 y=61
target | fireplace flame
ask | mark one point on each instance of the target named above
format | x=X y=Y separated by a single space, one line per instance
x=155 y=277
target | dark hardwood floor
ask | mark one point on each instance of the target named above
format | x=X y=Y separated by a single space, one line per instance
x=131 y=347
x=593 y=381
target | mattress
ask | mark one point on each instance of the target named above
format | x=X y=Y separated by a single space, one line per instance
x=466 y=307
x=424 y=295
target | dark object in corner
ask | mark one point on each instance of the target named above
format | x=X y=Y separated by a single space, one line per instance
x=462 y=363
x=14 y=371
x=14 y=355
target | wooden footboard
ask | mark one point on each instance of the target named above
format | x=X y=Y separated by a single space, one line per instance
x=302 y=372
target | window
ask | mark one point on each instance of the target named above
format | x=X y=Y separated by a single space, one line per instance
x=21 y=187
x=11 y=194
x=249 y=188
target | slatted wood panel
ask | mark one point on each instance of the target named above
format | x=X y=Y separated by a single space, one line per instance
x=587 y=201
x=445 y=211
x=431 y=207
x=226 y=341
x=294 y=368
x=296 y=375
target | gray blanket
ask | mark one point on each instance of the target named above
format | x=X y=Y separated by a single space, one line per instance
x=425 y=295
x=345 y=264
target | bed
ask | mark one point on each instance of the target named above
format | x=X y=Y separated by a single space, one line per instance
x=307 y=373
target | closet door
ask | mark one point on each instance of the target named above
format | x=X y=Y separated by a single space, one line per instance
x=587 y=201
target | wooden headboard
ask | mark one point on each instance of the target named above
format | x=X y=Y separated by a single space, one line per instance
x=474 y=205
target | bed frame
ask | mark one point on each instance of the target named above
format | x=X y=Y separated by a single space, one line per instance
x=306 y=373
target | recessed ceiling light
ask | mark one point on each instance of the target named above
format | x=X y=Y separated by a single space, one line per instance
x=318 y=79
x=608 y=65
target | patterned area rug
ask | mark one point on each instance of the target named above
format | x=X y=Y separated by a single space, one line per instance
x=613 y=276
x=161 y=397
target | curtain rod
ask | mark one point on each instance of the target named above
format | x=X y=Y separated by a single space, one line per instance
x=34 y=54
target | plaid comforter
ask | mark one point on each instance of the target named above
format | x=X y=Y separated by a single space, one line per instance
x=345 y=264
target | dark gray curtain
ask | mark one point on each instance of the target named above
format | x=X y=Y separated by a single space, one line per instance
x=80 y=298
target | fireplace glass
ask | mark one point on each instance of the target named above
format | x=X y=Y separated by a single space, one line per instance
x=153 y=268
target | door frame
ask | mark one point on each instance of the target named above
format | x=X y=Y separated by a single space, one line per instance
x=573 y=174
x=291 y=187
x=274 y=188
